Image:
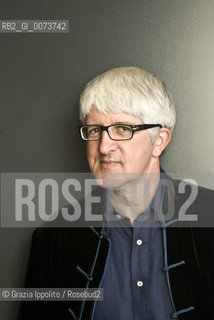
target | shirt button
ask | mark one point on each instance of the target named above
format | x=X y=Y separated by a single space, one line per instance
x=139 y=242
x=140 y=283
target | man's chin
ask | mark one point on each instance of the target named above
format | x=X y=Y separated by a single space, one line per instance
x=113 y=180
x=108 y=179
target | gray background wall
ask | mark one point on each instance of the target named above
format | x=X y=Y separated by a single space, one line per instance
x=42 y=76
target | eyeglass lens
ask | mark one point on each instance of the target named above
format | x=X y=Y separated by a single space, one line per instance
x=117 y=132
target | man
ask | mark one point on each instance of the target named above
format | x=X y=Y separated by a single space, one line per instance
x=149 y=265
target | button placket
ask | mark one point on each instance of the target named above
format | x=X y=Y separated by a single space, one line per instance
x=139 y=269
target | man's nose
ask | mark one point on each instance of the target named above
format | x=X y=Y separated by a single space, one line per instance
x=106 y=144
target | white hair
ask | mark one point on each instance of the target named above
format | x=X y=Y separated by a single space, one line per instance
x=133 y=91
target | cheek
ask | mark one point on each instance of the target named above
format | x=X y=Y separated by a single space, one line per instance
x=138 y=157
x=91 y=152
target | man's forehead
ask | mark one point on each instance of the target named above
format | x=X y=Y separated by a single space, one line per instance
x=96 y=115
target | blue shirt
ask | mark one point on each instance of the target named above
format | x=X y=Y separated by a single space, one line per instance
x=135 y=285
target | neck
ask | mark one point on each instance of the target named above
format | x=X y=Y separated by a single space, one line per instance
x=135 y=196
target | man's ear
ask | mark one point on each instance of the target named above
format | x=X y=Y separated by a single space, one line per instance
x=161 y=141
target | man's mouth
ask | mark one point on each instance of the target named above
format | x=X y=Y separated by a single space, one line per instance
x=109 y=163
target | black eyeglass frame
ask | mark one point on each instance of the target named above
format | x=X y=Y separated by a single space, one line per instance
x=134 y=128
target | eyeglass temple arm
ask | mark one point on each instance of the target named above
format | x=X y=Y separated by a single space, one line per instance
x=145 y=126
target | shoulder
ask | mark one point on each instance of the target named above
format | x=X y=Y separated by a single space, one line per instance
x=191 y=202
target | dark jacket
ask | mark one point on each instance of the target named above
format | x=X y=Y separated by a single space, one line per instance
x=77 y=258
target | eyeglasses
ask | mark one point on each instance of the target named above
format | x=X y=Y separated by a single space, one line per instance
x=117 y=132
